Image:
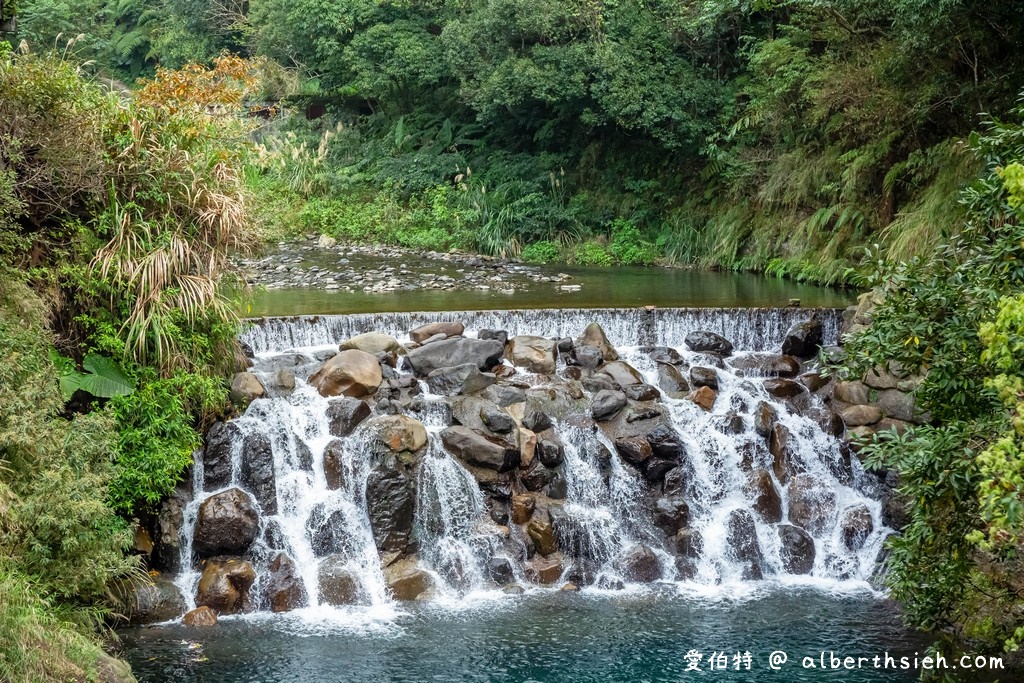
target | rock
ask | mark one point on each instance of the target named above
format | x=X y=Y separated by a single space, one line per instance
x=283 y=588
x=200 y=616
x=483 y=450
x=536 y=477
x=527 y=442
x=391 y=502
x=542 y=532
x=672 y=381
x=671 y=514
x=226 y=525
x=594 y=336
x=741 y=537
x=497 y=420
x=503 y=395
x=900 y=406
x=397 y=433
x=522 y=507
x=664 y=354
x=537 y=421
x=448 y=329
x=500 y=335
x=169 y=523
x=224 y=585
x=814 y=381
x=543 y=570
x=858 y=415
x=851 y=392
x=589 y=357
x=448 y=353
x=338 y=584
x=797 y=549
x=783 y=388
x=704 y=377
x=461 y=379
x=639 y=564
x=804 y=339
x=345 y=414
x=246 y=388
x=534 y=354
x=373 y=343
x=889 y=424
x=666 y=442
x=158 y=599
x=500 y=570
x=635 y=450
x=811 y=503
x=607 y=404
x=708 y=342
x=326 y=242
x=217 y=455
x=784 y=462
x=689 y=543
x=767 y=501
x=766 y=365
x=552 y=451
x=334 y=464
x=704 y=397
x=623 y=374
x=406 y=581
x=348 y=373
x=856 y=525
x=765 y=418
x=257 y=473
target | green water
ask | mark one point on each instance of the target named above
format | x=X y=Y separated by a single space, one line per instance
x=599 y=287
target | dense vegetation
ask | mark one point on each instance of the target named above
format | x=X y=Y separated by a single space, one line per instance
x=116 y=213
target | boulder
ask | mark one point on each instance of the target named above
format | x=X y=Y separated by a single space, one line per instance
x=797 y=549
x=226 y=525
x=257 y=473
x=594 y=336
x=672 y=382
x=671 y=514
x=766 y=365
x=704 y=377
x=157 y=599
x=542 y=532
x=448 y=329
x=635 y=450
x=589 y=357
x=449 y=353
x=666 y=442
x=814 y=381
x=705 y=397
x=373 y=343
x=461 y=379
x=200 y=616
x=708 y=342
x=664 y=354
x=348 y=373
x=224 y=585
x=804 y=339
x=765 y=417
x=856 y=525
x=338 y=585
x=607 y=404
x=391 y=503
x=500 y=570
x=623 y=374
x=169 y=523
x=283 y=588
x=246 y=388
x=334 y=464
x=217 y=452
x=900 y=406
x=767 y=501
x=534 y=354
x=544 y=570
x=784 y=461
x=639 y=564
x=483 y=450
x=860 y=415
x=779 y=387
x=741 y=537
x=851 y=392
x=522 y=507
x=551 y=450
x=503 y=395
x=406 y=581
x=536 y=421
x=500 y=335
x=811 y=503
x=397 y=433
x=689 y=543
x=345 y=414
x=497 y=420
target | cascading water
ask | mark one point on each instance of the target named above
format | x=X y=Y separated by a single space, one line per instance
x=359 y=523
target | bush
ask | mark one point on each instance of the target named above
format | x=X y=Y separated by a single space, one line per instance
x=591 y=254
x=542 y=252
x=629 y=247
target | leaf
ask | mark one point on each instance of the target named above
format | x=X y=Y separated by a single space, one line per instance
x=103 y=378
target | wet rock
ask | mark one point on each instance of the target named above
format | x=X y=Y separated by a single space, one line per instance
x=345 y=414
x=858 y=415
x=500 y=570
x=708 y=342
x=766 y=365
x=664 y=354
x=169 y=522
x=671 y=514
x=730 y=423
x=283 y=588
x=783 y=388
x=784 y=462
x=811 y=503
x=558 y=487
x=607 y=404
x=200 y=617
x=675 y=481
x=522 y=507
x=483 y=450
x=536 y=477
x=542 y=532
x=391 y=502
x=258 y=471
x=497 y=420
x=499 y=335
x=552 y=451
x=158 y=599
x=623 y=374
x=672 y=382
x=704 y=397
x=856 y=525
x=217 y=455
x=851 y=392
x=639 y=564
x=596 y=383
x=814 y=381
x=689 y=543
x=797 y=549
x=498 y=510
x=246 y=388
x=224 y=585
x=544 y=570
x=527 y=442
x=666 y=442
x=447 y=353
x=406 y=581
x=741 y=537
x=594 y=336
x=338 y=584
x=589 y=357
x=534 y=354
x=635 y=450
x=461 y=379
x=226 y=525
x=398 y=433
x=767 y=500
x=704 y=377
x=642 y=392
x=503 y=395
x=348 y=373
x=334 y=467
x=448 y=329
x=536 y=421
x=804 y=339
x=373 y=343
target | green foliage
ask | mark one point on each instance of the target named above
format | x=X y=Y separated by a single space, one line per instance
x=628 y=247
x=591 y=254
x=544 y=251
x=103 y=378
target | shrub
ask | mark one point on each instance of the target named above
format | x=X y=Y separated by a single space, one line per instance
x=591 y=254
x=542 y=252
x=629 y=247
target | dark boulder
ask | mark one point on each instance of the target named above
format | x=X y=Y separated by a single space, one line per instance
x=704 y=377
x=672 y=382
x=498 y=335
x=345 y=413
x=391 y=502
x=461 y=379
x=639 y=564
x=334 y=464
x=765 y=418
x=158 y=599
x=856 y=526
x=811 y=503
x=741 y=537
x=766 y=365
x=224 y=585
x=483 y=450
x=500 y=570
x=448 y=353
x=607 y=404
x=594 y=336
x=663 y=354
x=226 y=525
x=797 y=549
x=634 y=449
x=258 y=471
x=671 y=514
x=708 y=342
x=220 y=440
x=586 y=357
x=537 y=421
x=780 y=387
x=338 y=584
x=283 y=588
x=689 y=543
x=767 y=501
x=551 y=451
x=804 y=339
